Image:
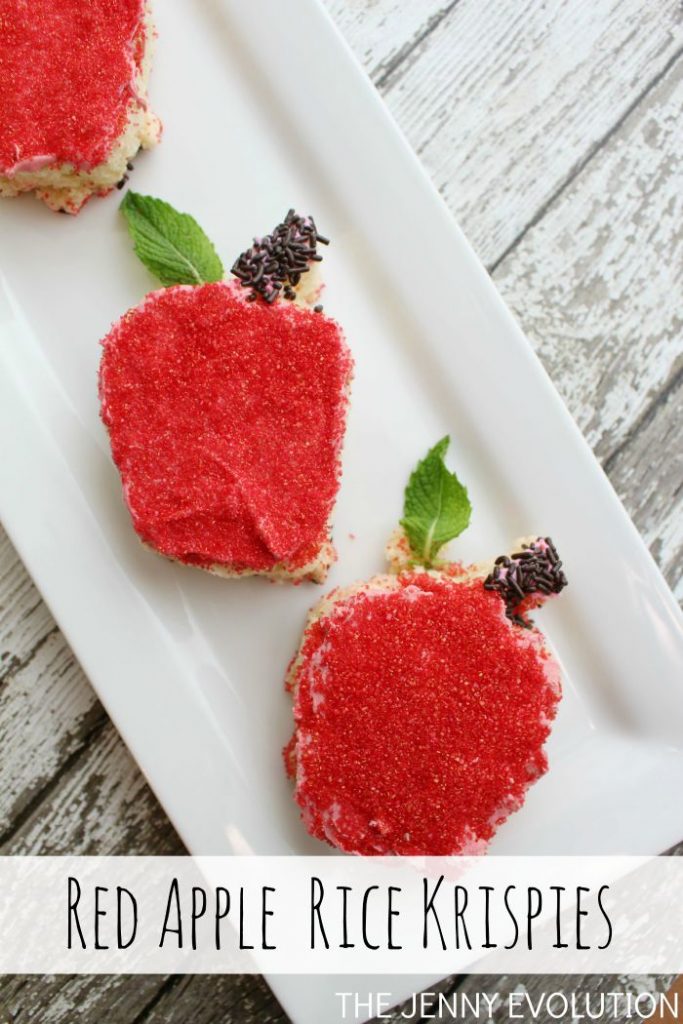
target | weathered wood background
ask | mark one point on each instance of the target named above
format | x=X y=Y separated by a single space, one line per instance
x=553 y=129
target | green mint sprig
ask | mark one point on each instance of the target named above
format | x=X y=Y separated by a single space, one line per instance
x=436 y=507
x=170 y=244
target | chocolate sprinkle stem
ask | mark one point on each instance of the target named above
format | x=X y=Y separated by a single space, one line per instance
x=536 y=569
x=274 y=264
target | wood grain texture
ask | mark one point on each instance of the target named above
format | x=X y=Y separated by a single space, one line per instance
x=49 y=716
x=216 y=1000
x=48 y=712
x=504 y=102
x=550 y=128
x=598 y=288
x=207 y=999
x=382 y=33
x=648 y=476
x=24 y=619
x=102 y=805
x=597 y=283
x=65 y=999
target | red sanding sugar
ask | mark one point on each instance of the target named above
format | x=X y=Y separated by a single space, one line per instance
x=67 y=72
x=421 y=713
x=226 y=420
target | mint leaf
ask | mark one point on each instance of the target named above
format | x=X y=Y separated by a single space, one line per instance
x=436 y=507
x=170 y=244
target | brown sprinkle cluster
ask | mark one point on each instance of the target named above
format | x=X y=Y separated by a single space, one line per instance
x=274 y=264
x=536 y=569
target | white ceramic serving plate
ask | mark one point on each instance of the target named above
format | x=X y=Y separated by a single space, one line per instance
x=264 y=110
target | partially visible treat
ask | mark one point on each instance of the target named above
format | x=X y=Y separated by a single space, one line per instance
x=73 y=82
x=283 y=264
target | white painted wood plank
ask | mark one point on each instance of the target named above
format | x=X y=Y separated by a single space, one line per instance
x=204 y=999
x=382 y=32
x=101 y=805
x=504 y=101
x=236 y=999
x=47 y=712
x=64 y=1000
x=648 y=476
x=24 y=619
x=597 y=283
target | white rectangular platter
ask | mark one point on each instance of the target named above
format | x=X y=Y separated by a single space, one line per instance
x=265 y=108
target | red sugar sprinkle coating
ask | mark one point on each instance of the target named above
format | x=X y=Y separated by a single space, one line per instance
x=67 y=69
x=421 y=712
x=226 y=420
